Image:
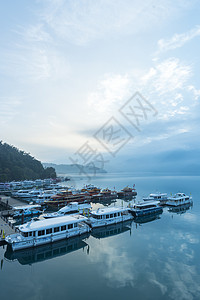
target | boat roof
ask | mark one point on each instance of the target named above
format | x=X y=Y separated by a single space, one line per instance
x=146 y=203
x=52 y=222
x=158 y=194
x=22 y=207
x=108 y=210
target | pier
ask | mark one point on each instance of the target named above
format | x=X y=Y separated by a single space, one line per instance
x=6 y=205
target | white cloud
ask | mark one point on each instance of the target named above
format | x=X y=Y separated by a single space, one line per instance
x=167 y=76
x=110 y=93
x=83 y=21
x=178 y=40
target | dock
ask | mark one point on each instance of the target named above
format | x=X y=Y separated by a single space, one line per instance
x=6 y=205
x=6 y=228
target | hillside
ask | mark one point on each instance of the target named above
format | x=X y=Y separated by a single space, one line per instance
x=18 y=165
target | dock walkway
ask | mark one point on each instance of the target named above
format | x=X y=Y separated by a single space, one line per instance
x=6 y=228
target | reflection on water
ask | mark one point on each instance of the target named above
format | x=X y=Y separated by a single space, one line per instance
x=180 y=209
x=147 y=219
x=156 y=261
x=45 y=252
x=114 y=229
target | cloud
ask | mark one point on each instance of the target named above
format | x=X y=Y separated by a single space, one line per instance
x=83 y=21
x=110 y=93
x=178 y=40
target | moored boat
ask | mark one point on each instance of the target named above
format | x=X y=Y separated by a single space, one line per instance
x=37 y=233
x=107 y=216
x=71 y=208
x=179 y=199
x=145 y=208
x=160 y=197
x=26 y=210
x=127 y=192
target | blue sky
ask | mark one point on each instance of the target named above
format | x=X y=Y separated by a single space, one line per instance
x=67 y=67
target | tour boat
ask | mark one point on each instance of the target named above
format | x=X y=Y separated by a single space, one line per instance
x=145 y=208
x=161 y=197
x=71 y=208
x=127 y=192
x=45 y=252
x=35 y=233
x=178 y=199
x=26 y=210
x=62 y=200
x=22 y=194
x=45 y=196
x=107 y=216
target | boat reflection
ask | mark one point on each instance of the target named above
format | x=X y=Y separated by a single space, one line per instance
x=111 y=230
x=180 y=209
x=48 y=251
x=147 y=219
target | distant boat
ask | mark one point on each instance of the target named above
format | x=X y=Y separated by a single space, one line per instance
x=178 y=199
x=127 y=192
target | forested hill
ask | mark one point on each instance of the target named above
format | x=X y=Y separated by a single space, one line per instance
x=18 y=165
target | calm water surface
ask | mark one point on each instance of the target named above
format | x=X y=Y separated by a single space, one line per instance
x=156 y=259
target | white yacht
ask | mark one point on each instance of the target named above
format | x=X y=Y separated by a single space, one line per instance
x=160 y=197
x=107 y=216
x=145 y=208
x=35 y=233
x=45 y=196
x=22 y=194
x=26 y=210
x=178 y=199
x=71 y=208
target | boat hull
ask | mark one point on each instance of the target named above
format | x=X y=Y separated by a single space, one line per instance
x=146 y=212
x=108 y=222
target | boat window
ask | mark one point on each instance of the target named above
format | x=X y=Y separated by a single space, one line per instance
x=63 y=227
x=49 y=230
x=115 y=215
x=56 y=229
x=118 y=213
x=70 y=226
x=107 y=216
x=30 y=233
x=75 y=224
x=40 y=232
x=111 y=215
x=33 y=233
x=25 y=234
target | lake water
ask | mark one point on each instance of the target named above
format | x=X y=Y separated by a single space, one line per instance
x=157 y=259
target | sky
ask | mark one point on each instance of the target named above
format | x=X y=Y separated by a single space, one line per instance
x=115 y=82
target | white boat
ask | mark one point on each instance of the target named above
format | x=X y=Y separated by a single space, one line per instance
x=23 y=194
x=45 y=196
x=145 y=208
x=71 y=208
x=26 y=210
x=107 y=216
x=35 y=233
x=161 y=197
x=178 y=199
